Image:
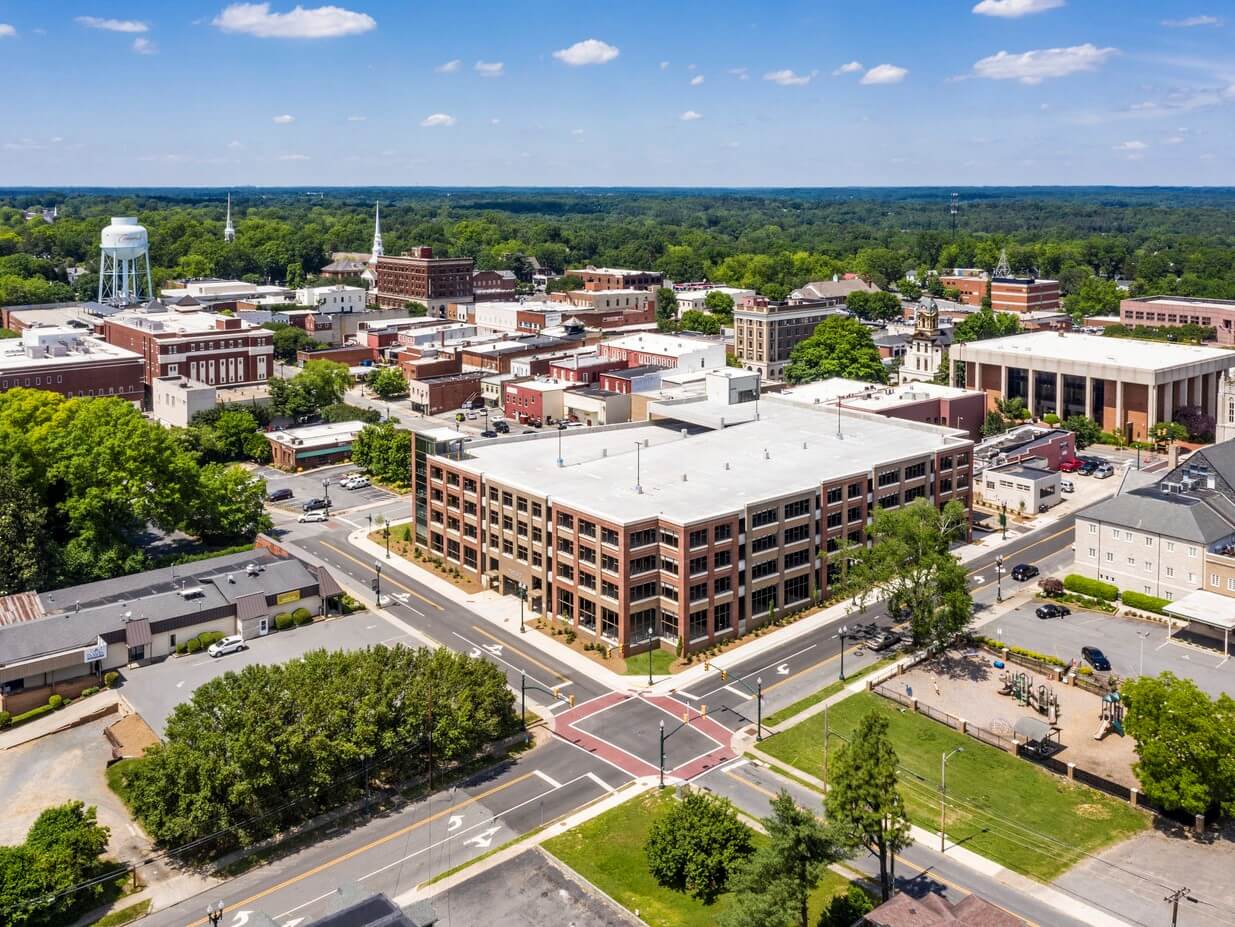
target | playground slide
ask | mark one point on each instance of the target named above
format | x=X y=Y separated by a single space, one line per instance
x=1102 y=729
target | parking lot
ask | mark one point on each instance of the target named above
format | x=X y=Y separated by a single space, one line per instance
x=308 y=485
x=157 y=689
x=1125 y=641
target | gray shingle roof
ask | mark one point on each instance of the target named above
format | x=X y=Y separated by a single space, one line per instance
x=1188 y=516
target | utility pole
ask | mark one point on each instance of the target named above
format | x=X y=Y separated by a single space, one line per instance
x=943 y=795
x=954 y=210
x=1173 y=898
x=826 y=782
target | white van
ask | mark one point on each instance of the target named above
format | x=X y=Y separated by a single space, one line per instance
x=1066 y=485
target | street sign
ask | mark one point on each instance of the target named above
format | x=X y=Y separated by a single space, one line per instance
x=97 y=652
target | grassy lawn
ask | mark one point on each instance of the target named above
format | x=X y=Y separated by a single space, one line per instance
x=1014 y=791
x=662 y=661
x=117 y=778
x=124 y=915
x=608 y=852
x=826 y=692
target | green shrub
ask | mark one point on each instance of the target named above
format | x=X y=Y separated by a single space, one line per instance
x=56 y=702
x=182 y=648
x=5 y=719
x=194 y=645
x=405 y=533
x=1021 y=651
x=302 y=616
x=1051 y=418
x=110 y=679
x=206 y=638
x=1107 y=592
x=33 y=713
x=1148 y=603
x=86 y=693
x=1085 y=670
x=283 y=621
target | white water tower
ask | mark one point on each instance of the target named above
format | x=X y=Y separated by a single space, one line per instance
x=124 y=265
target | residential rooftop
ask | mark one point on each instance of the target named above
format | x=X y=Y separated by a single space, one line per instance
x=705 y=460
x=317 y=435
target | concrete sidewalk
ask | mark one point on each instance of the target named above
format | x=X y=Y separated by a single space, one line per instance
x=80 y=712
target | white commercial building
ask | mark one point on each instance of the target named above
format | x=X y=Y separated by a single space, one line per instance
x=1020 y=487
x=175 y=400
x=657 y=350
x=332 y=299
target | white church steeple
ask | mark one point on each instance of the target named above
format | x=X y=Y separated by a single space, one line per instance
x=377 y=231
x=229 y=230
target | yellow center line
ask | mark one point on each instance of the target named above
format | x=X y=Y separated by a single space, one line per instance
x=1021 y=550
x=369 y=846
x=746 y=782
x=513 y=649
x=389 y=579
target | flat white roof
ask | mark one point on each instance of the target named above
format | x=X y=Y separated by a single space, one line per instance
x=1210 y=608
x=314 y=435
x=1184 y=302
x=1071 y=347
x=540 y=386
x=197 y=321
x=790 y=448
x=655 y=343
x=85 y=350
x=860 y=394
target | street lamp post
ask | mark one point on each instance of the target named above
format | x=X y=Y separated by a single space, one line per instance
x=1003 y=520
x=651 y=639
x=326 y=490
x=522 y=599
x=842 y=634
x=943 y=793
x=1142 y=635
x=999 y=578
x=377 y=567
x=214 y=913
x=386 y=535
x=662 y=754
x=759 y=708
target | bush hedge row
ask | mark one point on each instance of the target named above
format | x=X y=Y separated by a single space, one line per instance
x=1107 y=592
x=1021 y=651
x=1148 y=603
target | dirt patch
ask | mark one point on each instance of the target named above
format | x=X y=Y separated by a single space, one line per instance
x=1093 y=812
x=131 y=736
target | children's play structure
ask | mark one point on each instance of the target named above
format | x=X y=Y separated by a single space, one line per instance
x=1111 y=717
x=1040 y=698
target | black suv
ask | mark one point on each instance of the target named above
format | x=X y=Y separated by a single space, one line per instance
x=1024 y=571
x=312 y=505
x=279 y=495
x=1051 y=610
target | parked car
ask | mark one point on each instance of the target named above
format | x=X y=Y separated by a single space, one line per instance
x=1096 y=658
x=279 y=495
x=575 y=425
x=313 y=517
x=1067 y=486
x=501 y=427
x=1086 y=468
x=1070 y=465
x=488 y=434
x=355 y=482
x=1051 y=610
x=233 y=644
x=312 y=505
x=1104 y=472
x=1024 y=571
x=882 y=641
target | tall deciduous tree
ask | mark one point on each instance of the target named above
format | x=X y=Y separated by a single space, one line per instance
x=39 y=879
x=875 y=306
x=666 y=308
x=773 y=888
x=863 y=801
x=1185 y=743
x=321 y=383
x=909 y=562
x=230 y=505
x=839 y=347
x=697 y=845
x=385 y=452
x=388 y=382
x=28 y=559
x=985 y=324
x=703 y=322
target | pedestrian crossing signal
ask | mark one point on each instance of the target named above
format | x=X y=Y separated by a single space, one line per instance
x=572 y=700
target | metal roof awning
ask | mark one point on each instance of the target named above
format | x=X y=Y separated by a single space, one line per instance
x=1207 y=608
x=1032 y=729
x=251 y=606
x=137 y=633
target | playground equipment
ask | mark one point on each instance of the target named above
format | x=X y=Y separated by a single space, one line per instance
x=1041 y=698
x=1110 y=717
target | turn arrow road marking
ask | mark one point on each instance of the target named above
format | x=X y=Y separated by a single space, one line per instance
x=483 y=839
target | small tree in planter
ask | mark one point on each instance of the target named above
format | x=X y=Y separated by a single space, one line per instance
x=1051 y=587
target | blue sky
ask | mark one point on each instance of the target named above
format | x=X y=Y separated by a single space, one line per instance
x=676 y=92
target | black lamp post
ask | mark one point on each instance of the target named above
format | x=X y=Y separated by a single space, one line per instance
x=842 y=634
x=522 y=599
x=326 y=490
x=377 y=566
x=386 y=535
x=651 y=639
x=759 y=708
x=662 y=754
x=999 y=578
x=214 y=913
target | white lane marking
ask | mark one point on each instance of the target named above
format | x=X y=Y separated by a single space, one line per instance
x=369 y=627
x=483 y=840
x=601 y=782
x=476 y=652
x=549 y=779
x=746 y=696
x=782 y=670
x=180 y=684
x=241 y=918
x=495 y=649
x=733 y=764
x=687 y=695
x=456 y=821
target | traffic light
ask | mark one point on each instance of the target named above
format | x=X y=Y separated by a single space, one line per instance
x=572 y=700
x=724 y=675
x=707 y=666
x=557 y=693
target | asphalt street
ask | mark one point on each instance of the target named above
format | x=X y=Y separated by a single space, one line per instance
x=392 y=851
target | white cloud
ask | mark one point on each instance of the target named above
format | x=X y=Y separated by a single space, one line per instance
x=787 y=78
x=495 y=121
x=1033 y=67
x=664 y=65
x=449 y=67
x=696 y=80
x=490 y=68
x=357 y=118
x=1192 y=21
x=1131 y=146
x=294 y=157
x=885 y=74
x=589 y=51
x=851 y=68
x=437 y=119
x=1174 y=140
x=576 y=131
x=1014 y=9
x=285 y=120
x=323 y=22
x=144 y=46
x=112 y=25
x=7 y=31
x=690 y=116
x=740 y=73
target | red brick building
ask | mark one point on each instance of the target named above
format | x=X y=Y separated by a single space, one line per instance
x=1010 y=294
x=63 y=360
x=617 y=278
x=583 y=370
x=215 y=349
x=1172 y=311
x=494 y=285
x=418 y=276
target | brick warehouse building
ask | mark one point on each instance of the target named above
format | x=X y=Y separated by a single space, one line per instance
x=210 y=348
x=418 y=276
x=69 y=362
x=617 y=278
x=695 y=527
